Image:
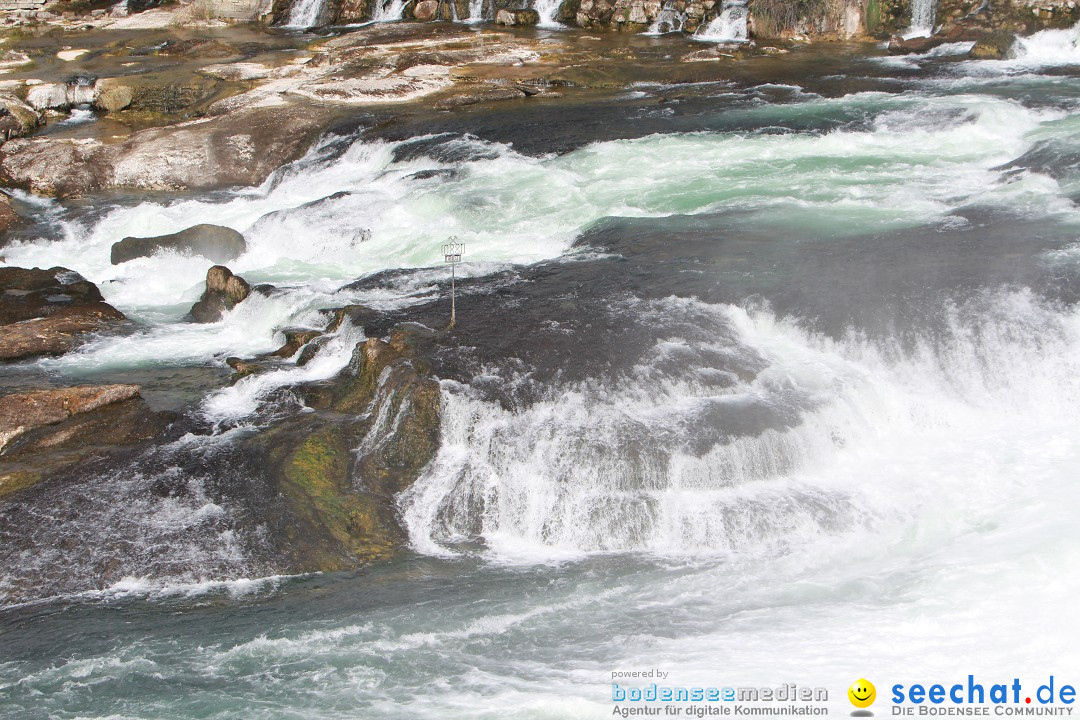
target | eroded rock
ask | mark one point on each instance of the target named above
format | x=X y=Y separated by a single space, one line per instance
x=224 y=291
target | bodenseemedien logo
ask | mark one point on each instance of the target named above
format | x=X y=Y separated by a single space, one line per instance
x=862 y=694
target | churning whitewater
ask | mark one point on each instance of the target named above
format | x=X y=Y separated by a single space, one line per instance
x=769 y=373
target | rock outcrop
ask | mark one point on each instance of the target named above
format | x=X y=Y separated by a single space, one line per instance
x=44 y=430
x=46 y=312
x=375 y=428
x=223 y=292
x=239 y=148
x=213 y=242
x=17 y=118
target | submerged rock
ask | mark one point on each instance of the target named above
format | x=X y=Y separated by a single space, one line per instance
x=213 y=242
x=44 y=312
x=44 y=430
x=223 y=292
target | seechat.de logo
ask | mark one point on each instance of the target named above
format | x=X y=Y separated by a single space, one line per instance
x=862 y=694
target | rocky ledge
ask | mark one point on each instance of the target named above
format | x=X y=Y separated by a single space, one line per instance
x=44 y=431
x=47 y=312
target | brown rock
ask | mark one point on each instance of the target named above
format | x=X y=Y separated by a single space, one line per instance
x=8 y=217
x=238 y=148
x=44 y=431
x=43 y=312
x=426 y=11
x=22 y=412
x=224 y=291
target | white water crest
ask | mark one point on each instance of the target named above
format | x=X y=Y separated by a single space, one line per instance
x=883 y=447
x=388 y=10
x=923 y=16
x=548 y=10
x=1049 y=47
x=476 y=12
x=668 y=20
x=306 y=13
x=337 y=214
x=729 y=27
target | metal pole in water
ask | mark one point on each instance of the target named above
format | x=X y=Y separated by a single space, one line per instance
x=452 y=252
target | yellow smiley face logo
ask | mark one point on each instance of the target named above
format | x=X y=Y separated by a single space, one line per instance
x=862 y=693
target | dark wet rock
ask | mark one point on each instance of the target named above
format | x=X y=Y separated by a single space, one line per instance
x=223 y=292
x=42 y=431
x=213 y=242
x=44 y=312
x=901 y=46
x=239 y=148
x=520 y=16
x=994 y=46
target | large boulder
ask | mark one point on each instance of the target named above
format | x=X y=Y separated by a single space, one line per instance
x=426 y=10
x=44 y=430
x=522 y=16
x=213 y=242
x=223 y=292
x=46 y=312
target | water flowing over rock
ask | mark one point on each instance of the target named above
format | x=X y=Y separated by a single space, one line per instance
x=224 y=291
x=46 y=312
x=213 y=242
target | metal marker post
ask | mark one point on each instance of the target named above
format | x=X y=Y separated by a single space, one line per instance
x=453 y=251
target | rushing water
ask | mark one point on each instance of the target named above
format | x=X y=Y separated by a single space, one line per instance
x=729 y=26
x=923 y=17
x=760 y=383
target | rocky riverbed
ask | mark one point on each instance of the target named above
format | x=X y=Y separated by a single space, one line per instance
x=343 y=406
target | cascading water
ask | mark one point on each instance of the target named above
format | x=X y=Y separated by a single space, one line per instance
x=388 y=10
x=727 y=383
x=669 y=20
x=923 y=16
x=306 y=13
x=729 y=27
x=548 y=10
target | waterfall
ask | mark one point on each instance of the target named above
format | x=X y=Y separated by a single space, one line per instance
x=476 y=12
x=305 y=13
x=669 y=20
x=730 y=26
x=922 y=18
x=549 y=12
x=388 y=10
